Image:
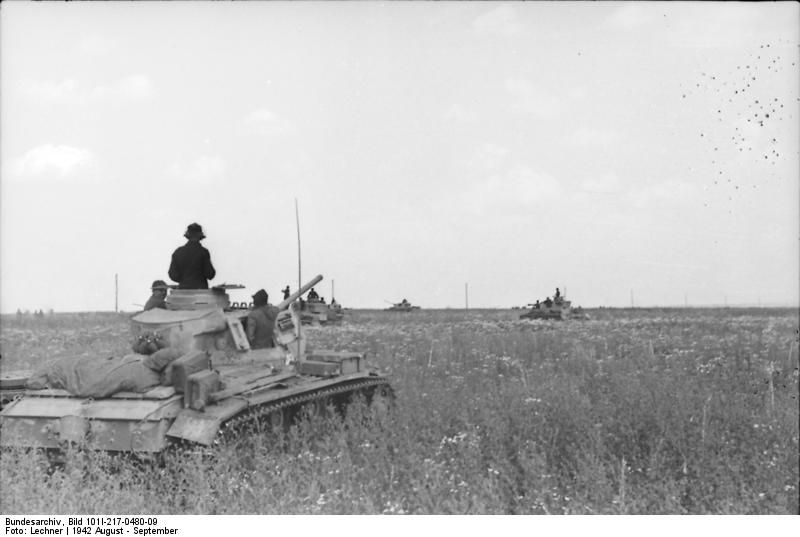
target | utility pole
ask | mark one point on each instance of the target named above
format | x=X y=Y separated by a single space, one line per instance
x=116 y=293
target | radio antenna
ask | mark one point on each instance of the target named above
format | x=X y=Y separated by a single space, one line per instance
x=299 y=282
x=297 y=221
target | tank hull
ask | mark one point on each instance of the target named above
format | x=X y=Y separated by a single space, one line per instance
x=403 y=308
x=320 y=313
x=150 y=422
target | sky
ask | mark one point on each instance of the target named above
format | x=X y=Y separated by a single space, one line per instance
x=624 y=152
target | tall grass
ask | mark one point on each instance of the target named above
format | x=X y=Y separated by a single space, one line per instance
x=673 y=411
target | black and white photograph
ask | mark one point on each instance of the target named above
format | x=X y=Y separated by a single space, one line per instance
x=397 y=258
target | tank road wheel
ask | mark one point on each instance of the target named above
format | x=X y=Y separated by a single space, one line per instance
x=316 y=408
x=277 y=420
x=382 y=399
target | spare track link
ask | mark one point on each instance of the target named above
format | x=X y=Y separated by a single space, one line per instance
x=253 y=415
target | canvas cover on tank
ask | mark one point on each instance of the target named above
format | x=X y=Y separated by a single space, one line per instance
x=96 y=376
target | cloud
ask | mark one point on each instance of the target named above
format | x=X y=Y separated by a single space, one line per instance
x=530 y=100
x=501 y=21
x=130 y=88
x=459 y=113
x=50 y=91
x=48 y=160
x=668 y=192
x=588 y=137
x=631 y=16
x=204 y=170
x=96 y=45
x=714 y=26
x=517 y=190
x=607 y=183
x=265 y=122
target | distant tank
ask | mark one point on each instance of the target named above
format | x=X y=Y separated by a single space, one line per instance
x=217 y=384
x=403 y=305
x=556 y=308
x=316 y=311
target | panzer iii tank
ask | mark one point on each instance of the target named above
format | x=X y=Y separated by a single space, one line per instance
x=216 y=384
x=558 y=308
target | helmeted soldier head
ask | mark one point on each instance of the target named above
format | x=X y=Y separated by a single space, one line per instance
x=159 y=285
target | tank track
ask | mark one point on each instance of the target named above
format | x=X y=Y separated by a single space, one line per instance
x=254 y=417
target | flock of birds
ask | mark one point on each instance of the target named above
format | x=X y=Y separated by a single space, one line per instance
x=751 y=99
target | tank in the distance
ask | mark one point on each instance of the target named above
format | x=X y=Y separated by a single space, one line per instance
x=402 y=306
x=556 y=308
x=315 y=311
x=190 y=376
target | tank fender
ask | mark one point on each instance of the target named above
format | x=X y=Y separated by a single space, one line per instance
x=202 y=426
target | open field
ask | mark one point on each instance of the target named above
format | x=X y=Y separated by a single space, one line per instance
x=636 y=411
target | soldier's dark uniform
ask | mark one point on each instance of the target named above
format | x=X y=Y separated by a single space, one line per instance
x=261 y=322
x=191 y=263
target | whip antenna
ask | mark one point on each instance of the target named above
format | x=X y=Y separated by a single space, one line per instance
x=297 y=221
x=299 y=280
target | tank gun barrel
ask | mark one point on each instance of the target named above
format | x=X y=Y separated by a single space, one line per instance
x=297 y=294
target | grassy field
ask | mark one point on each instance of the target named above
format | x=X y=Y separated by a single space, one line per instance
x=636 y=411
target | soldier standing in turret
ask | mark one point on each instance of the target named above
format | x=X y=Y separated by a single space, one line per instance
x=261 y=321
x=286 y=292
x=191 y=263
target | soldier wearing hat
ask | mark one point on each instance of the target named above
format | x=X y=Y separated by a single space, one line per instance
x=159 y=296
x=261 y=321
x=191 y=263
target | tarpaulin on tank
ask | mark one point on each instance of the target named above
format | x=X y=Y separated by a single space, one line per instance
x=92 y=376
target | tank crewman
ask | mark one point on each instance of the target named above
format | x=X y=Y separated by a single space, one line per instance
x=557 y=296
x=159 y=296
x=537 y=305
x=191 y=263
x=548 y=302
x=261 y=321
x=312 y=295
x=286 y=292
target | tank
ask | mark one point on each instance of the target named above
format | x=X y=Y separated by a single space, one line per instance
x=403 y=305
x=556 y=308
x=217 y=384
x=316 y=312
